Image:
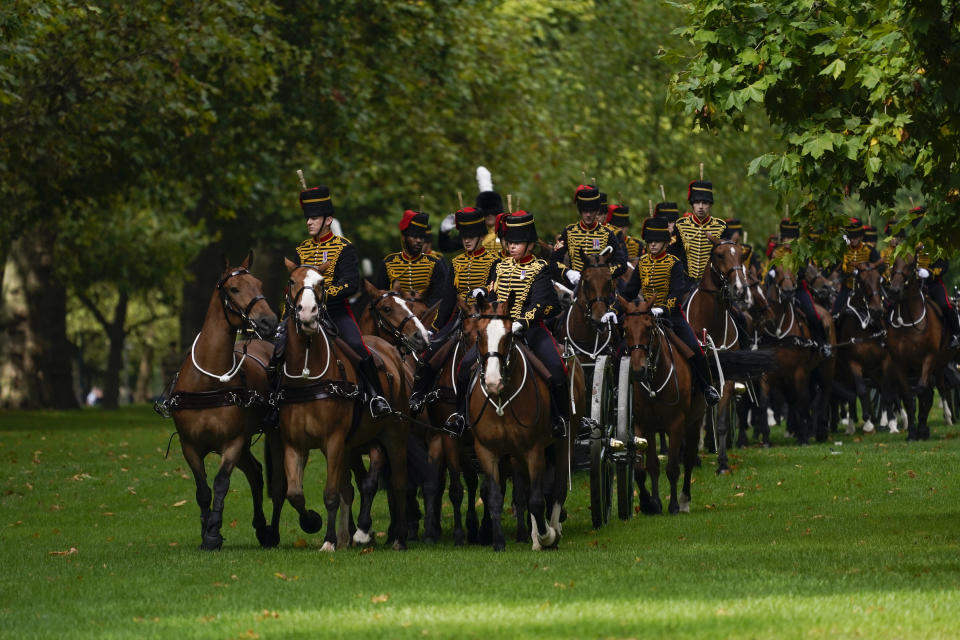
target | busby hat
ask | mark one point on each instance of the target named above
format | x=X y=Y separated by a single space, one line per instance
x=853 y=229
x=587 y=197
x=870 y=234
x=789 y=229
x=470 y=222
x=700 y=191
x=667 y=210
x=888 y=230
x=916 y=214
x=414 y=223
x=316 y=202
x=618 y=215
x=655 y=230
x=488 y=201
x=733 y=226
x=603 y=200
x=519 y=227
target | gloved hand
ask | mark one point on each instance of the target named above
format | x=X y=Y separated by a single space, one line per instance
x=772 y=273
x=448 y=223
x=573 y=276
x=846 y=239
x=656 y=311
x=478 y=291
x=517 y=327
x=923 y=273
x=609 y=316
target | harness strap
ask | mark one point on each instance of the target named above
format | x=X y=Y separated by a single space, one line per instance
x=323 y=390
x=234 y=396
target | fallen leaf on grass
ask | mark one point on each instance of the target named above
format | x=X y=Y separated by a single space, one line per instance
x=179 y=504
x=560 y=585
x=383 y=597
x=285 y=577
x=366 y=550
x=36 y=456
x=109 y=513
x=266 y=613
x=68 y=552
x=738 y=495
x=300 y=543
x=233 y=525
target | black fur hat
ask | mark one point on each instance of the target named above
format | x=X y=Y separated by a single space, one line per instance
x=789 y=229
x=700 y=191
x=470 y=223
x=655 y=230
x=667 y=210
x=316 y=202
x=519 y=227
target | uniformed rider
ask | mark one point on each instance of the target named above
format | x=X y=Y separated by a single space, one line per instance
x=589 y=236
x=693 y=227
x=931 y=274
x=857 y=256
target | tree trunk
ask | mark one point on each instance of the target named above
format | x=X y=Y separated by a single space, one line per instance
x=142 y=392
x=117 y=333
x=44 y=369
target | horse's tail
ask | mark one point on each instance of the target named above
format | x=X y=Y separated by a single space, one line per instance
x=740 y=365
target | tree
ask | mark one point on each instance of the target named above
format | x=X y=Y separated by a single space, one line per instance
x=864 y=96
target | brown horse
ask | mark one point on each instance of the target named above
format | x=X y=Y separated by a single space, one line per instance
x=320 y=408
x=664 y=401
x=509 y=410
x=707 y=308
x=917 y=344
x=799 y=362
x=582 y=324
x=396 y=318
x=213 y=401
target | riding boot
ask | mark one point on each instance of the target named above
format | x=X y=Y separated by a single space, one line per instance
x=379 y=406
x=820 y=335
x=272 y=418
x=698 y=365
x=423 y=379
x=559 y=408
x=456 y=423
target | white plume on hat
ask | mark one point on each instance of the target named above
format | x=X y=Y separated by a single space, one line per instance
x=484 y=179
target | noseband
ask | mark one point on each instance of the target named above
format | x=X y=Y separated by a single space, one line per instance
x=321 y=295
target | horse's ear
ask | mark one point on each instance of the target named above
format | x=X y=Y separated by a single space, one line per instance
x=429 y=315
x=226 y=261
x=624 y=303
x=395 y=285
x=881 y=268
x=481 y=300
x=248 y=261
x=463 y=306
x=290 y=264
x=372 y=290
x=712 y=238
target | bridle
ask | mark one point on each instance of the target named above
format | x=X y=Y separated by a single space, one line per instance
x=292 y=303
x=653 y=350
x=724 y=276
x=230 y=305
x=395 y=332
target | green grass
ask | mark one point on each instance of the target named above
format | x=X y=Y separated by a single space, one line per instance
x=852 y=540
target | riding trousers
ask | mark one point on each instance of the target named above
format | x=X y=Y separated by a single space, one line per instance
x=342 y=316
x=938 y=293
x=678 y=322
x=805 y=301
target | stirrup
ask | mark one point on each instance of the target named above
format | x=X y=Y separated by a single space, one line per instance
x=559 y=427
x=826 y=350
x=711 y=396
x=954 y=342
x=417 y=400
x=379 y=407
x=455 y=425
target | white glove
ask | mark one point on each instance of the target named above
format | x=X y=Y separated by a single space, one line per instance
x=656 y=311
x=477 y=292
x=772 y=273
x=923 y=273
x=609 y=316
x=517 y=327
x=846 y=239
x=448 y=223
x=573 y=276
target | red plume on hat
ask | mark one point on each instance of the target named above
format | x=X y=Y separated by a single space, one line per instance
x=498 y=224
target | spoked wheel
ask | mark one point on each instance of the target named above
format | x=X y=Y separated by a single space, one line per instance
x=625 y=459
x=601 y=467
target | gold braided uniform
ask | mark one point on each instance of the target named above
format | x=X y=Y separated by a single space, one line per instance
x=329 y=248
x=852 y=257
x=657 y=279
x=926 y=261
x=472 y=271
x=519 y=277
x=696 y=245
x=634 y=246
x=411 y=274
x=490 y=241
x=577 y=238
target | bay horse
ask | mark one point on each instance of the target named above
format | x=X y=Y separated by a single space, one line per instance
x=917 y=343
x=707 y=309
x=321 y=407
x=800 y=364
x=509 y=407
x=214 y=401
x=861 y=349
x=665 y=402
x=582 y=324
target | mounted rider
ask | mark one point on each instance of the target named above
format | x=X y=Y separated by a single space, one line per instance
x=931 y=273
x=659 y=277
x=670 y=211
x=413 y=271
x=856 y=257
x=534 y=299
x=341 y=281
x=490 y=204
x=790 y=231
x=473 y=271
x=695 y=248
x=589 y=236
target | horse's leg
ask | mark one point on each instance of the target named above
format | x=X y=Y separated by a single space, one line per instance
x=294 y=462
x=520 y=497
x=336 y=471
x=861 y=388
x=650 y=501
x=395 y=442
x=539 y=533
x=212 y=540
x=743 y=408
x=432 y=491
x=451 y=453
x=676 y=430
x=493 y=498
x=368 y=480
x=690 y=436
x=723 y=427
x=472 y=481
x=345 y=513
x=204 y=495
x=800 y=405
x=416 y=476
x=253 y=470
x=276 y=481
x=925 y=397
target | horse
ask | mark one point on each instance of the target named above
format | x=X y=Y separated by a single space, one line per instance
x=665 y=402
x=215 y=406
x=707 y=309
x=396 y=318
x=324 y=411
x=860 y=340
x=799 y=362
x=917 y=344
x=511 y=417
x=582 y=325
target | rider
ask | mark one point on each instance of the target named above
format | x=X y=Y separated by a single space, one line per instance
x=589 y=236
x=659 y=277
x=857 y=256
x=670 y=211
x=618 y=219
x=490 y=204
x=931 y=273
x=790 y=231
x=416 y=272
x=472 y=270
x=695 y=247
x=341 y=281
x=528 y=279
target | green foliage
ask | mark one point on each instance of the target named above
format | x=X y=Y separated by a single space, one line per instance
x=865 y=96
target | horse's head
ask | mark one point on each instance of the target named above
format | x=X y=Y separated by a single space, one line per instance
x=399 y=317
x=758 y=300
x=821 y=288
x=243 y=301
x=785 y=283
x=494 y=343
x=726 y=264
x=470 y=317
x=306 y=295
x=638 y=331
x=867 y=290
x=596 y=285
x=903 y=276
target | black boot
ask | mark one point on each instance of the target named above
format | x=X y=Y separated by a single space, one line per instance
x=820 y=335
x=422 y=382
x=272 y=418
x=698 y=365
x=456 y=423
x=379 y=406
x=559 y=408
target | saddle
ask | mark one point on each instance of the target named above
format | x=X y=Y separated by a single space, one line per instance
x=680 y=345
x=354 y=357
x=538 y=365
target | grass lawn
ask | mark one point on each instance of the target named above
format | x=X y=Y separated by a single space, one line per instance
x=858 y=538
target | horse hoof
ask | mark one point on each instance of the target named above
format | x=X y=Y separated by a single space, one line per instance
x=674 y=509
x=268 y=539
x=723 y=471
x=458 y=538
x=311 y=522
x=399 y=546
x=499 y=546
x=211 y=543
x=430 y=540
x=328 y=547
x=362 y=538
